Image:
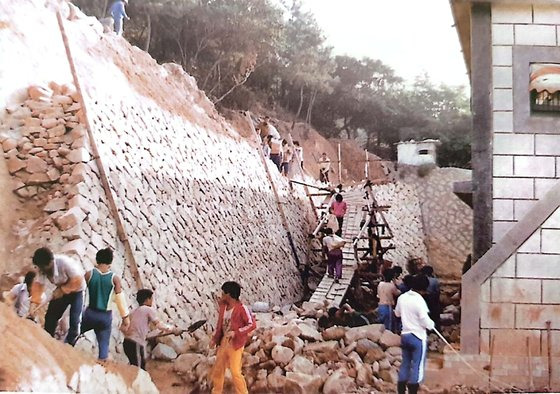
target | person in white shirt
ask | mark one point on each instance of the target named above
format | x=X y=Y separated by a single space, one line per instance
x=333 y=245
x=413 y=311
x=67 y=275
x=19 y=295
x=298 y=152
x=324 y=168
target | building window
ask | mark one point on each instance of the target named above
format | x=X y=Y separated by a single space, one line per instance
x=423 y=152
x=544 y=88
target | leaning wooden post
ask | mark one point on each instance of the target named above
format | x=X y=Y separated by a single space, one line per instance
x=273 y=185
x=121 y=232
x=339 y=166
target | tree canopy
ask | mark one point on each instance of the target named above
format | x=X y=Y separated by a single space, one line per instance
x=273 y=52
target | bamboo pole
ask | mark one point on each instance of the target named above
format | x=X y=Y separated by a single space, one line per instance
x=273 y=185
x=121 y=232
x=339 y=165
x=366 y=169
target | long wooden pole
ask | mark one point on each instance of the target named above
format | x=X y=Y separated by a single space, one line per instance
x=273 y=186
x=549 y=353
x=530 y=361
x=121 y=232
x=339 y=165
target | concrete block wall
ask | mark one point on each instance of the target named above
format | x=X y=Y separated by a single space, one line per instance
x=520 y=296
x=524 y=163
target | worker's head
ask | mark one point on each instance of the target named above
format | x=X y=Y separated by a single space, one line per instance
x=29 y=278
x=43 y=259
x=420 y=282
x=338 y=198
x=388 y=275
x=328 y=231
x=338 y=232
x=332 y=311
x=230 y=292
x=145 y=297
x=296 y=143
x=427 y=270
x=397 y=270
x=324 y=322
x=324 y=154
x=407 y=280
x=104 y=256
x=284 y=142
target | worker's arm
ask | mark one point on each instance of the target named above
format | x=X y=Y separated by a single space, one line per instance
x=424 y=319
x=73 y=285
x=249 y=321
x=398 y=309
x=37 y=290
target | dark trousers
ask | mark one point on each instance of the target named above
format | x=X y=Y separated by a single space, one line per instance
x=276 y=159
x=334 y=263
x=100 y=322
x=135 y=353
x=57 y=308
x=340 y=221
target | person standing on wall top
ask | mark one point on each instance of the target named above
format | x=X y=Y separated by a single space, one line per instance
x=68 y=276
x=324 y=168
x=101 y=284
x=235 y=323
x=413 y=311
x=118 y=13
x=298 y=152
x=287 y=156
x=338 y=209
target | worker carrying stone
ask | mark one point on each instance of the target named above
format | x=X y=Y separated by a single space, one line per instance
x=118 y=13
x=266 y=128
x=103 y=287
x=67 y=275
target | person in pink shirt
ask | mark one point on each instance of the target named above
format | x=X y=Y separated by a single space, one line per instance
x=338 y=209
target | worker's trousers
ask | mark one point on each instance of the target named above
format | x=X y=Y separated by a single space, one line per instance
x=100 y=322
x=413 y=359
x=228 y=357
x=56 y=309
x=118 y=26
x=334 y=263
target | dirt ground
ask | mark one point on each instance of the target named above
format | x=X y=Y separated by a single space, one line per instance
x=8 y=218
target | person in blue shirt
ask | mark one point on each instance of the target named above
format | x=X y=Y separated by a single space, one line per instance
x=118 y=13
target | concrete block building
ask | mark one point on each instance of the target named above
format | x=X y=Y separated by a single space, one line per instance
x=417 y=153
x=511 y=295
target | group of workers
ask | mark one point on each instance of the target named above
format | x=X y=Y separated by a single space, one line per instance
x=277 y=149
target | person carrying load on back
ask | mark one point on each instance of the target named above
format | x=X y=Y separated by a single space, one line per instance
x=334 y=245
x=102 y=285
x=118 y=13
x=67 y=275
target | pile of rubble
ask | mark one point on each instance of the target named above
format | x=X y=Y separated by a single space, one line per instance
x=287 y=353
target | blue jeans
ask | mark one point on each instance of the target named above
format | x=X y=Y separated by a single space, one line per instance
x=100 y=322
x=118 y=26
x=385 y=313
x=57 y=308
x=413 y=359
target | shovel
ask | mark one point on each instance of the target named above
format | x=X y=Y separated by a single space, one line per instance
x=190 y=329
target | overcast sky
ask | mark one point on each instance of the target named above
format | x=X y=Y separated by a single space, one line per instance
x=411 y=36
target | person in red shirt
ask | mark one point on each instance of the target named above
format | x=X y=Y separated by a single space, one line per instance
x=338 y=209
x=235 y=324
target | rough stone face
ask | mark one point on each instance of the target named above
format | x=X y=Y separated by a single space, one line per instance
x=15 y=164
x=57 y=204
x=372 y=332
x=71 y=218
x=334 y=333
x=306 y=383
x=35 y=164
x=164 y=352
x=364 y=345
x=282 y=355
x=389 y=375
x=388 y=339
x=9 y=144
x=302 y=365
x=309 y=333
x=338 y=383
x=187 y=362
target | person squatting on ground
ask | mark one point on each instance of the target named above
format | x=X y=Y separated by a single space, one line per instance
x=387 y=292
x=134 y=344
x=333 y=245
x=286 y=158
x=413 y=311
x=234 y=325
x=68 y=277
x=118 y=13
x=338 y=209
x=19 y=296
x=102 y=284
x=324 y=168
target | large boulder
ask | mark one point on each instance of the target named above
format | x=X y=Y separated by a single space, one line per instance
x=306 y=383
x=388 y=339
x=309 y=333
x=334 y=333
x=372 y=332
x=374 y=355
x=321 y=346
x=282 y=355
x=301 y=365
x=164 y=352
x=389 y=376
x=364 y=345
x=339 y=382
